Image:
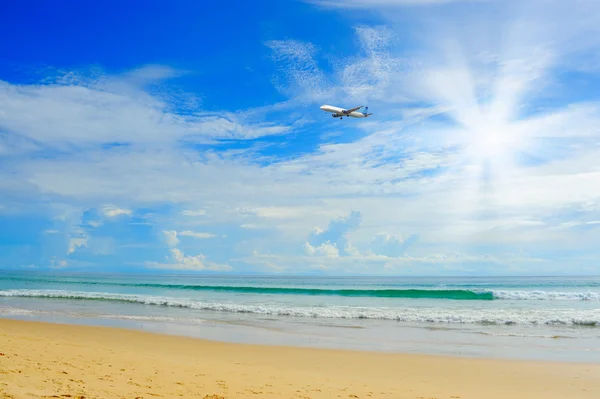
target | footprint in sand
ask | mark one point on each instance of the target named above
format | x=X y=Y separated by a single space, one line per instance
x=222 y=384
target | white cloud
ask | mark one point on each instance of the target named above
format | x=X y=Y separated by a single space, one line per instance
x=200 y=212
x=171 y=238
x=195 y=234
x=326 y=249
x=390 y=245
x=75 y=243
x=190 y=263
x=317 y=230
x=58 y=264
x=250 y=226
x=112 y=211
x=293 y=212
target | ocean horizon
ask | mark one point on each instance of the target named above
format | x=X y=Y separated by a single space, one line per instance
x=536 y=318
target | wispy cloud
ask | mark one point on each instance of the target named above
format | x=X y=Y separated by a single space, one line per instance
x=369 y=76
x=196 y=234
x=301 y=75
x=152 y=73
x=192 y=213
x=64 y=116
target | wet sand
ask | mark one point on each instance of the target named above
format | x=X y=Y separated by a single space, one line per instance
x=45 y=360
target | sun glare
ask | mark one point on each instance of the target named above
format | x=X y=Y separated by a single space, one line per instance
x=489 y=162
x=493 y=143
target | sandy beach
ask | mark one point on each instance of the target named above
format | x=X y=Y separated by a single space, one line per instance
x=43 y=360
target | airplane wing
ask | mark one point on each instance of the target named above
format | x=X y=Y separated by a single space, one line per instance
x=353 y=109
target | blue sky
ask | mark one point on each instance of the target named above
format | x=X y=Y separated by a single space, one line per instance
x=187 y=137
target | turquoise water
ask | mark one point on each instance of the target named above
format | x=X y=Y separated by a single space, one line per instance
x=527 y=317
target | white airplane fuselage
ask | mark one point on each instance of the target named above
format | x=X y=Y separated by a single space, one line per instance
x=338 y=112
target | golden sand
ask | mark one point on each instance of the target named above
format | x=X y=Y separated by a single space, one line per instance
x=42 y=360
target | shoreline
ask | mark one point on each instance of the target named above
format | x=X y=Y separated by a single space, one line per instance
x=44 y=359
x=413 y=340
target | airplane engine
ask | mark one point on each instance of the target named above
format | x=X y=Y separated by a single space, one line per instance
x=336 y=115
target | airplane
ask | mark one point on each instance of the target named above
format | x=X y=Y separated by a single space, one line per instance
x=338 y=112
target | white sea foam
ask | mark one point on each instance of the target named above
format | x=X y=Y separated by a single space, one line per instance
x=10 y=311
x=546 y=295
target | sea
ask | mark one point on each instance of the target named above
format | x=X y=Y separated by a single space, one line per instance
x=526 y=318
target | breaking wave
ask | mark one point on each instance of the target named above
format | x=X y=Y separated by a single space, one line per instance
x=409 y=293
x=583 y=317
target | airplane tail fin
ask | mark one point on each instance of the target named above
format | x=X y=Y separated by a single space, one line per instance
x=367 y=111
